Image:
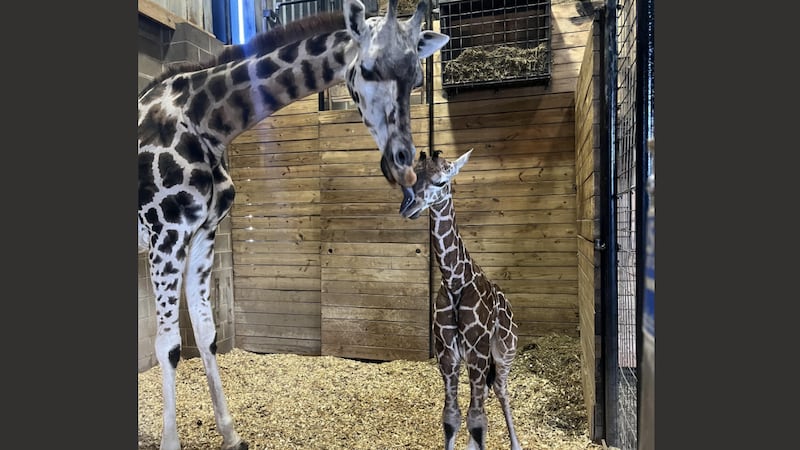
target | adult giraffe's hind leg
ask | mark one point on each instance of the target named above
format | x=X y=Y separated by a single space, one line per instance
x=167 y=260
x=198 y=290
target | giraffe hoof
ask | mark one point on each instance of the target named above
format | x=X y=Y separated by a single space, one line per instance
x=243 y=445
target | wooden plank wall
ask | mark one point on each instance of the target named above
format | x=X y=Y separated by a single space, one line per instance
x=375 y=264
x=276 y=232
x=588 y=110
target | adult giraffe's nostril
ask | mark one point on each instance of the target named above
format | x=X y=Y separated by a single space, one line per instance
x=404 y=157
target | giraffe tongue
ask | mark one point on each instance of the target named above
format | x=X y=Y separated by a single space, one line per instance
x=408 y=198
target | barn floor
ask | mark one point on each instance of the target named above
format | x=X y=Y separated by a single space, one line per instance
x=327 y=403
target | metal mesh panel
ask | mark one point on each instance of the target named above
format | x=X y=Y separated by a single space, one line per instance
x=495 y=42
x=627 y=185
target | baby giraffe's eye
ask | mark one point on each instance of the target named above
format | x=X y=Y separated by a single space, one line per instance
x=440 y=184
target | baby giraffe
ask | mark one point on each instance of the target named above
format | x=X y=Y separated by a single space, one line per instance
x=472 y=318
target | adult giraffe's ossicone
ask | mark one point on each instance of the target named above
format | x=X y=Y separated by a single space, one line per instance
x=189 y=115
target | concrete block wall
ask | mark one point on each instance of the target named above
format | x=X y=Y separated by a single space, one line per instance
x=159 y=45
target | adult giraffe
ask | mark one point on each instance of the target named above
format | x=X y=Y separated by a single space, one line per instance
x=189 y=115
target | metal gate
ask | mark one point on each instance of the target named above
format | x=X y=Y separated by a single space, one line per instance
x=630 y=62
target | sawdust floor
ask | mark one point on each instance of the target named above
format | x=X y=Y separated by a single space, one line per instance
x=285 y=401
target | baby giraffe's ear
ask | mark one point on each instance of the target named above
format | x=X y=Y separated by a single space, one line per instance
x=459 y=163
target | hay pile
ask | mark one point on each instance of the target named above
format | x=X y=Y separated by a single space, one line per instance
x=328 y=403
x=476 y=64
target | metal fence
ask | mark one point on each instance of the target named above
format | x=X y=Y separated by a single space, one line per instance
x=631 y=108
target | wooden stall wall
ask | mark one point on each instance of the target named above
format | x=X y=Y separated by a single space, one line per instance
x=324 y=263
x=588 y=110
x=375 y=264
x=276 y=232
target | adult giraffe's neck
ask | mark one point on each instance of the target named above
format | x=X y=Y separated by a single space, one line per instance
x=451 y=254
x=232 y=98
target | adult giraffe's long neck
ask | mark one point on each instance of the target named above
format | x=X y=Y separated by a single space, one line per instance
x=222 y=102
x=451 y=254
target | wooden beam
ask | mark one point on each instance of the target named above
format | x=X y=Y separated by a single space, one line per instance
x=159 y=14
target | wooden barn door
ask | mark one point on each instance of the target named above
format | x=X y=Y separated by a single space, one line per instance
x=375 y=264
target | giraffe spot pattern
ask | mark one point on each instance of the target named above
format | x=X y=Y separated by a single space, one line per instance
x=289 y=52
x=169 y=269
x=225 y=201
x=157 y=128
x=241 y=100
x=340 y=37
x=309 y=79
x=201 y=179
x=198 y=107
x=286 y=79
x=211 y=140
x=218 y=122
x=171 y=172
x=198 y=79
x=179 y=206
x=180 y=85
x=170 y=239
x=240 y=74
x=217 y=87
x=266 y=67
x=339 y=57
x=147 y=185
x=327 y=72
x=174 y=356
x=151 y=216
x=315 y=45
x=190 y=148
x=268 y=99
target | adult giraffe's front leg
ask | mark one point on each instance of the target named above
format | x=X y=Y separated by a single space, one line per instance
x=198 y=290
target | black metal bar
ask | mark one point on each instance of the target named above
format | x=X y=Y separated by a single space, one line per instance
x=432 y=265
x=608 y=227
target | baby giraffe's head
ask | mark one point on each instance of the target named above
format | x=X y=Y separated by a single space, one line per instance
x=433 y=182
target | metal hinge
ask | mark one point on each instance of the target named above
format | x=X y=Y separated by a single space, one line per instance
x=599 y=244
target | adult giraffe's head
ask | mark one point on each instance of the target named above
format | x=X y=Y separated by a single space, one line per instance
x=381 y=77
x=433 y=182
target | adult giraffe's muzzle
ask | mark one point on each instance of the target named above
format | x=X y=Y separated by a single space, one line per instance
x=408 y=198
x=402 y=175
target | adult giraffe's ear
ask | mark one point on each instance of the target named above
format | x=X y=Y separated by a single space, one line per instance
x=355 y=20
x=429 y=42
